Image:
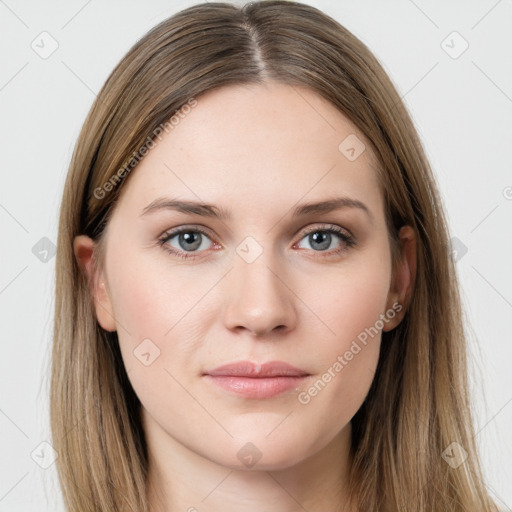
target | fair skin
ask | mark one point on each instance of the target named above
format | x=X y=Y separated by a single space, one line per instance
x=258 y=152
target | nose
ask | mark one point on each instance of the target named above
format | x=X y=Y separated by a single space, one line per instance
x=258 y=298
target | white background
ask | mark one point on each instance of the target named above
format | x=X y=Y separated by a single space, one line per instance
x=462 y=108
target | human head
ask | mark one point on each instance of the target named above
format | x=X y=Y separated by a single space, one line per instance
x=296 y=45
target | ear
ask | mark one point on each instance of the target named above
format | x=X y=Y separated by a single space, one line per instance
x=404 y=274
x=84 y=250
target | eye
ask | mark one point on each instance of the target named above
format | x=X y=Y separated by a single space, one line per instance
x=185 y=240
x=332 y=239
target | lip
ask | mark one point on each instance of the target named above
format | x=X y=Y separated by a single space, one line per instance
x=256 y=380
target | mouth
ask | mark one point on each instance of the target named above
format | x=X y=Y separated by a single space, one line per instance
x=256 y=380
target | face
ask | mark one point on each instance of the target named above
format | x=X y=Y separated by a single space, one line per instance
x=288 y=264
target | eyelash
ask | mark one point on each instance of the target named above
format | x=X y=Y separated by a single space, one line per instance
x=348 y=240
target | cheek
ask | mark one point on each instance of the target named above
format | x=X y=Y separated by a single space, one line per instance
x=155 y=300
x=140 y=311
x=350 y=302
x=140 y=307
x=350 y=297
x=161 y=318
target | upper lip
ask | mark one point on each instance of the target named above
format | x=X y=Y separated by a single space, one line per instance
x=257 y=370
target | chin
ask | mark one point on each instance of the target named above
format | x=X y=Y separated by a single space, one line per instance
x=262 y=454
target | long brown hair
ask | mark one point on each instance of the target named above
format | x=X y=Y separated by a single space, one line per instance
x=418 y=403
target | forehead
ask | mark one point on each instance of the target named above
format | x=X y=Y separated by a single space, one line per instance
x=272 y=142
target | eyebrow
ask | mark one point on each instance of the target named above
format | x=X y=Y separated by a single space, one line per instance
x=209 y=210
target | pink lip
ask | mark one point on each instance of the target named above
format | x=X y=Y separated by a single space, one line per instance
x=254 y=380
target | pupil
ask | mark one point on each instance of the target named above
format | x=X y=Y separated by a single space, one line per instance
x=189 y=240
x=322 y=238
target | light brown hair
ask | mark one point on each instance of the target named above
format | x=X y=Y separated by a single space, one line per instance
x=418 y=403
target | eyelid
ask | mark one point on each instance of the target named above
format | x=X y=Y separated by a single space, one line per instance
x=169 y=233
x=325 y=227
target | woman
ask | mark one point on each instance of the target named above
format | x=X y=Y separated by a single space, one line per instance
x=256 y=305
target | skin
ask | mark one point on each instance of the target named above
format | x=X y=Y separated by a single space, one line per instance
x=258 y=152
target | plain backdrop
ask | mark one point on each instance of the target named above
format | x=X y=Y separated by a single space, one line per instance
x=452 y=64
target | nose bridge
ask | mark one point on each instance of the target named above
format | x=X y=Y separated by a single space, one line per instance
x=257 y=299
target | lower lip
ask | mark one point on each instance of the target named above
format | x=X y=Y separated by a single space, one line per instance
x=256 y=387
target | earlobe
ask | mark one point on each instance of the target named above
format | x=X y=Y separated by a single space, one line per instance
x=404 y=274
x=84 y=250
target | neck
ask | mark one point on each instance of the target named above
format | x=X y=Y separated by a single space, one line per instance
x=182 y=480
